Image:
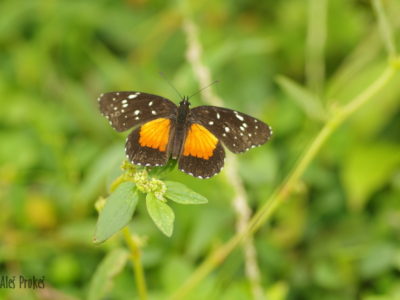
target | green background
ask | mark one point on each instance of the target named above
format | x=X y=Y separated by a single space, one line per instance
x=337 y=236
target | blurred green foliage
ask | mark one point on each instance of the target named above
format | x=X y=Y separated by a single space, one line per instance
x=337 y=238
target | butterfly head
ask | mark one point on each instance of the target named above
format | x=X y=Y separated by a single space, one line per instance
x=185 y=101
x=183 y=110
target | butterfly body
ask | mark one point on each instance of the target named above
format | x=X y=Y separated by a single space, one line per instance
x=192 y=136
x=181 y=123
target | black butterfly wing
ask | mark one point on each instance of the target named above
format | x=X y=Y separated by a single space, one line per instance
x=203 y=168
x=128 y=109
x=142 y=155
x=237 y=131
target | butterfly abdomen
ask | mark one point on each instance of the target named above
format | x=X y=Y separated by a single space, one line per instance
x=180 y=131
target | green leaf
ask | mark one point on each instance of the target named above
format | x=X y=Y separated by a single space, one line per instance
x=182 y=194
x=366 y=169
x=111 y=266
x=310 y=104
x=117 y=212
x=378 y=259
x=162 y=215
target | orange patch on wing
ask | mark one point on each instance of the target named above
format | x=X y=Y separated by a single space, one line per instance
x=155 y=134
x=199 y=142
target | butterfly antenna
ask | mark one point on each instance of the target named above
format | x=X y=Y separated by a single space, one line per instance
x=170 y=84
x=203 y=88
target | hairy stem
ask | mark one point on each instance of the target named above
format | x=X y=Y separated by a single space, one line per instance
x=240 y=201
x=243 y=214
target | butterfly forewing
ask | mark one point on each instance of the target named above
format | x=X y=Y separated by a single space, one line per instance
x=237 y=131
x=128 y=109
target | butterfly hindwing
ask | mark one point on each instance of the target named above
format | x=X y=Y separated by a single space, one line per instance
x=200 y=167
x=147 y=145
x=125 y=110
x=237 y=131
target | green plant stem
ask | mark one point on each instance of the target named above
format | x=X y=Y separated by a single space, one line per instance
x=137 y=263
x=134 y=249
x=120 y=179
x=384 y=27
x=278 y=197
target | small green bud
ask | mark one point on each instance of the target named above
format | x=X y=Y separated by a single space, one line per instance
x=99 y=204
x=128 y=168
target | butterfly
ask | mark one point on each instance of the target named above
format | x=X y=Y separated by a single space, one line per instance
x=193 y=136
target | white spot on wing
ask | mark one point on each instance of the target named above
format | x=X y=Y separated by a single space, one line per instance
x=227 y=129
x=153 y=112
x=124 y=101
x=132 y=96
x=136 y=112
x=125 y=105
x=239 y=117
x=244 y=125
x=241 y=128
x=218 y=116
x=150 y=103
x=211 y=123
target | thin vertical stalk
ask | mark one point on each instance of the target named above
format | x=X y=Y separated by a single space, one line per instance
x=385 y=28
x=240 y=201
x=243 y=213
x=134 y=249
x=135 y=256
x=315 y=45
